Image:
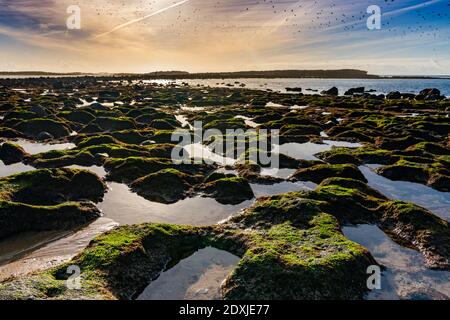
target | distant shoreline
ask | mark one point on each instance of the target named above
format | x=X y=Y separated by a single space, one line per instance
x=274 y=74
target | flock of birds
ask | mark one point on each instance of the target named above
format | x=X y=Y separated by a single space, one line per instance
x=295 y=17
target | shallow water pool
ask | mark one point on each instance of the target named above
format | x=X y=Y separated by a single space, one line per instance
x=198 y=277
x=126 y=207
x=406 y=276
x=436 y=201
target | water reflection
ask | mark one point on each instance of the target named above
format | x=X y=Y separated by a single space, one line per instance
x=126 y=207
x=406 y=276
x=436 y=201
x=38 y=147
x=99 y=171
x=13 y=169
x=307 y=151
x=277 y=173
x=54 y=248
x=261 y=190
x=197 y=277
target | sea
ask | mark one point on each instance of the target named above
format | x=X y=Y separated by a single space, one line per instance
x=313 y=86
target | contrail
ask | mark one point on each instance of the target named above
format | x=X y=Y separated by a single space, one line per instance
x=126 y=24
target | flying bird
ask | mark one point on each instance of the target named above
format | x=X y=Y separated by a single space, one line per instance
x=126 y=24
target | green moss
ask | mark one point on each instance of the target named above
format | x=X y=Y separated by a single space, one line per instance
x=230 y=190
x=165 y=186
x=20 y=217
x=320 y=172
x=96 y=140
x=48 y=185
x=11 y=153
x=287 y=257
x=132 y=168
x=34 y=127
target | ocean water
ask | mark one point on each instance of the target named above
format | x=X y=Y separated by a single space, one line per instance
x=379 y=85
x=383 y=86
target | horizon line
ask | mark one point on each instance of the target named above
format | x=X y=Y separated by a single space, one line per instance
x=180 y=72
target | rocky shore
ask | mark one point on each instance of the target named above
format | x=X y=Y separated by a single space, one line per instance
x=290 y=245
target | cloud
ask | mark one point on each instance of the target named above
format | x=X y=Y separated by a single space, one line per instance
x=131 y=22
x=198 y=35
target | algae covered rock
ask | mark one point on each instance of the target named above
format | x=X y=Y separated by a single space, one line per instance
x=48 y=199
x=301 y=255
x=165 y=186
x=11 y=153
x=34 y=127
x=406 y=171
x=132 y=168
x=320 y=172
x=294 y=250
x=415 y=226
x=52 y=186
x=435 y=175
x=233 y=190
x=20 y=217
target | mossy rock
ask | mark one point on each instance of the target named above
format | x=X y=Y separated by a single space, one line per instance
x=165 y=186
x=131 y=136
x=225 y=124
x=33 y=127
x=113 y=124
x=63 y=159
x=52 y=186
x=286 y=256
x=405 y=171
x=18 y=217
x=163 y=124
x=79 y=116
x=132 y=168
x=96 y=140
x=358 y=135
x=430 y=147
x=439 y=182
x=416 y=227
x=300 y=130
x=340 y=158
x=129 y=169
x=119 y=150
x=320 y=172
x=160 y=150
x=10 y=133
x=118 y=264
x=233 y=190
x=217 y=175
x=11 y=153
x=396 y=143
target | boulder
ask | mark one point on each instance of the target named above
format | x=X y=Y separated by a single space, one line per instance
x=394 y=95
x=320 y=172
x=295 y=89
x=34 y=127
x=44 y=136
x=429 y=94
x=165 y=186
x=232 y=190
x=352 y=91
x=11 y=153
x=331 y=92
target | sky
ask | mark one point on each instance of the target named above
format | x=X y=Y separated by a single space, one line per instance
x=225 y=35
